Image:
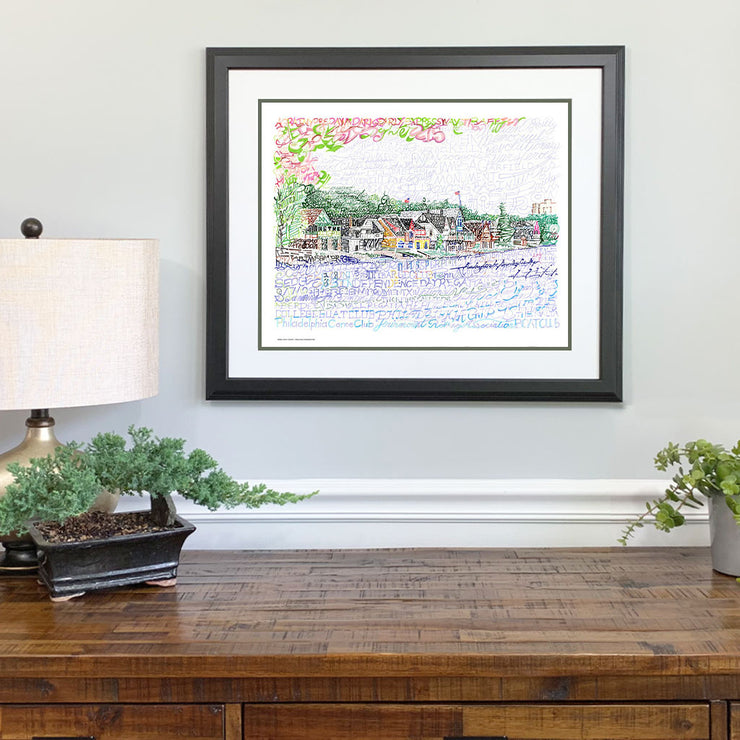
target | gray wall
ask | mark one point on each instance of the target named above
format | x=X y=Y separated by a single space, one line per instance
x=102 y=134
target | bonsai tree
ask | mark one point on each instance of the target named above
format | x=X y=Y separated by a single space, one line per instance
x=67 y=483
x=50 y=488
x=711 y=470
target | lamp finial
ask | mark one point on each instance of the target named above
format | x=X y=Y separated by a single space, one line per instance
x=31 y=228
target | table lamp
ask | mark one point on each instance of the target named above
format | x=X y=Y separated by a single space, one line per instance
x=78 y=327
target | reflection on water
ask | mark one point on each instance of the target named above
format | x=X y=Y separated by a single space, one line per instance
x=494 y=290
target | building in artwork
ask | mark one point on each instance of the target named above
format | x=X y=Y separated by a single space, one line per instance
x=483 y=234
x=319 y=230
x=409 y=236
x=392 y=231
x=362 y=235
x=544 y=208
x=417 y=237
x=440 y=231
x=446 y=229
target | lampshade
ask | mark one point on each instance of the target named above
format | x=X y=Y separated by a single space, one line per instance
x=78 y=321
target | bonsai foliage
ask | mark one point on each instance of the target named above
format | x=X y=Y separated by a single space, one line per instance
x=51 y=488
x=66 y=483
x=711 y=470
x=160 y=466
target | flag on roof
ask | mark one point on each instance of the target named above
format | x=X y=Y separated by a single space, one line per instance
x=457 y=192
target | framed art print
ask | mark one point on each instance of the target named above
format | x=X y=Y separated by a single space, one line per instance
x=415 y=224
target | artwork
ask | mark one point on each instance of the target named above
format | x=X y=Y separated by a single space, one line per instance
x=375 y=246
x=415 y=224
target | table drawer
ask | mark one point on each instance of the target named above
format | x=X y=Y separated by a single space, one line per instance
x=511 y=721
x=734 y=720
x=112 y=722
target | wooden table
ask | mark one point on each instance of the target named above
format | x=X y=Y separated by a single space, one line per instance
x=383 y=645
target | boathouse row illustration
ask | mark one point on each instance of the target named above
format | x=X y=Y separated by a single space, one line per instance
x=438 y=230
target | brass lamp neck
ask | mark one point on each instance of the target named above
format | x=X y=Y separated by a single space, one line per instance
x=39 y=418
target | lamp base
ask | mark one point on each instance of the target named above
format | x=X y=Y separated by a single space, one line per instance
x=40 y=441
x=19 y=558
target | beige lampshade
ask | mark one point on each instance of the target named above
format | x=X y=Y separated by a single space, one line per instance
x=78 y=321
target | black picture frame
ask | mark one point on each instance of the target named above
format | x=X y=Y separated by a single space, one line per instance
x=602 y=386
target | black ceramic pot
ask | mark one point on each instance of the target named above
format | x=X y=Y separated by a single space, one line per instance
x=69 y=569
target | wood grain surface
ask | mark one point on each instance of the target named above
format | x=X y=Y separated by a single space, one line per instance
x=112 y=722
x=414 y=615
x=515 y=722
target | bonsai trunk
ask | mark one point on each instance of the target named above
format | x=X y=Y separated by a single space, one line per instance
x=163 y=510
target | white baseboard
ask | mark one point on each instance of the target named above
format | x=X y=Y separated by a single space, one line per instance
x=370 y=513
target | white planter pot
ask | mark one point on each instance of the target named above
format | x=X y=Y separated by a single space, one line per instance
x=724 y=536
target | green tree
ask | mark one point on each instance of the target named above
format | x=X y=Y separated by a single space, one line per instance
x=49 y=488
x=65 y=484
x=470 y=215
x=288 y=204
x=505 y=229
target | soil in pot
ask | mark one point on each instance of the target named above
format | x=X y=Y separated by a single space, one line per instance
x=98 y=525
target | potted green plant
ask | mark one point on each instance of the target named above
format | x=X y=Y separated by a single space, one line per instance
x=704 y=471
x=81 y=550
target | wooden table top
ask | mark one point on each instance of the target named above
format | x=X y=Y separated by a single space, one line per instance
x=398 y=612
